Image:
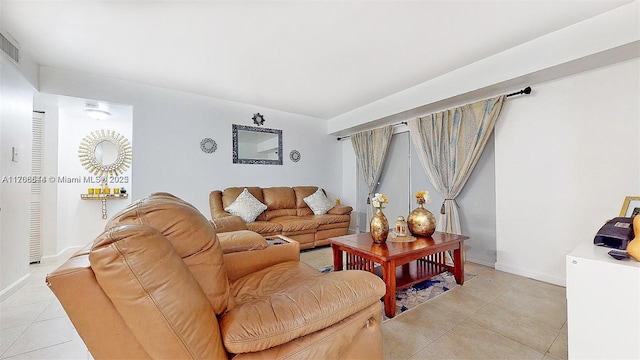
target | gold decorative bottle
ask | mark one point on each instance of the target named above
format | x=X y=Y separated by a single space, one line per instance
x=379 y=227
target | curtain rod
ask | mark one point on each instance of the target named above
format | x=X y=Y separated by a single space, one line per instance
x=526 y=91
x=394 y=125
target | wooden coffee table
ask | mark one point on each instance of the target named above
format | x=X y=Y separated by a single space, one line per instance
x=403 y=263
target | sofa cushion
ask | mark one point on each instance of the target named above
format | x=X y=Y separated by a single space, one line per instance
x=295 y=224
x=302 y=192
x=241 y=240
x=246 y=206
x=139 y=270
x=291 y=299
x=328 y=219
x=280 y=201
x=319 y=203
x=265 y=227
x=191 y=235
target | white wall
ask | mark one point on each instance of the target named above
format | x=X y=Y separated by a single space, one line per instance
x=80 y=221
x=16 y=106
x=566 y=156
x=169 y=125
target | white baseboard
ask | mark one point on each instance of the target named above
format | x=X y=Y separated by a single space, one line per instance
x=61 y=256
x=11 y=289
x=551 y=279
x=483 y=263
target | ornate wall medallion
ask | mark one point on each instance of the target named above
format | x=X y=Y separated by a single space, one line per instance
x=294 y=155
x=258 y=119
x=208 y=145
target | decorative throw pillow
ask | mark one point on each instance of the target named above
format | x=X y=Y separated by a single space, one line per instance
x=318 y=202
x=246 y=206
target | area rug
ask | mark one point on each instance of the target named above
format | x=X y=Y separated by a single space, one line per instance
x=421 y=292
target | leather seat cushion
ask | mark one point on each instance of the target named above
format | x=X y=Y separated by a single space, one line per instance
x=291 y=224
x=290 y=300
x=328 y=219
x=265 y=227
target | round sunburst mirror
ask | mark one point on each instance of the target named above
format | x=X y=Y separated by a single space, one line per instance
x=105 y=152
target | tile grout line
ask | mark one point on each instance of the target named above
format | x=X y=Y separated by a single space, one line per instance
x=25 y=330
x=455 y=326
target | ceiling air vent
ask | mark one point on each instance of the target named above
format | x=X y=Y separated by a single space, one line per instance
x=10 y=49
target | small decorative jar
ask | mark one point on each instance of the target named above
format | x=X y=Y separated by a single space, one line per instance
x=379 y=227
x=107 y=190
x=401 y=226
x=90 y=191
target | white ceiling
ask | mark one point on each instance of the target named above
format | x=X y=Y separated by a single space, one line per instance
x=316 y=58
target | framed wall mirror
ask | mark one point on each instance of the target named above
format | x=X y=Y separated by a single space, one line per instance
x=254 y=145
x=105 y=152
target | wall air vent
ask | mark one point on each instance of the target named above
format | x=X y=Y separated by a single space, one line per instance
x=10 y=49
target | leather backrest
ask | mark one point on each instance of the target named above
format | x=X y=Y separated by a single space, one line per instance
x=191 y=235
x=280 y=201
x=156 y=294
x=91 y=311
x=302 y=192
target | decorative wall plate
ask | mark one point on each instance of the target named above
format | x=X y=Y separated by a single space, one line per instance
x=208 y=145
x=294 y=155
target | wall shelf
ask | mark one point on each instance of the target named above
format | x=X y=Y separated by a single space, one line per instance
x=104 y=198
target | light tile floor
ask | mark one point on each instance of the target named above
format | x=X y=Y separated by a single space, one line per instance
x=494 y=316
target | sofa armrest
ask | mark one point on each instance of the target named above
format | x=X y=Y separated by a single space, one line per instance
x=239 y=264
x=340 y=210
x=215 y=205
x=241 y=240
x=228 y=223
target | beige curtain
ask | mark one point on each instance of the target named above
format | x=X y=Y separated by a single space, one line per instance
x=371 y=150
x=449 y=144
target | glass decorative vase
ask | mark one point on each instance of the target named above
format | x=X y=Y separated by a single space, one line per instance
x=421 y=222
x=379 y=227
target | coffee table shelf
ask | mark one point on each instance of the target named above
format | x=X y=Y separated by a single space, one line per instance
x=414 y=272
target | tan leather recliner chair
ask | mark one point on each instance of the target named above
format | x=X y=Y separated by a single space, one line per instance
x=155 y=284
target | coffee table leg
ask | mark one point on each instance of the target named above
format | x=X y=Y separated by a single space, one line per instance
x=389 y=278
x=337 y=258
x=458 y=265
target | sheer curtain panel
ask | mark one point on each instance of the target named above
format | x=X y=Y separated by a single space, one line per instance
x=371 y=148
x=449 y=144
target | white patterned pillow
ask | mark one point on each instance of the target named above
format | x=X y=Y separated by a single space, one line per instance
x=246 y=206
x=318 y=202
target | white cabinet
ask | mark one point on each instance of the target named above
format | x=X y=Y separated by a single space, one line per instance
x=603 y=305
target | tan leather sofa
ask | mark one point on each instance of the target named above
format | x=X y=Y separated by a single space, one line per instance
x=155 y=284
x=287 y=214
